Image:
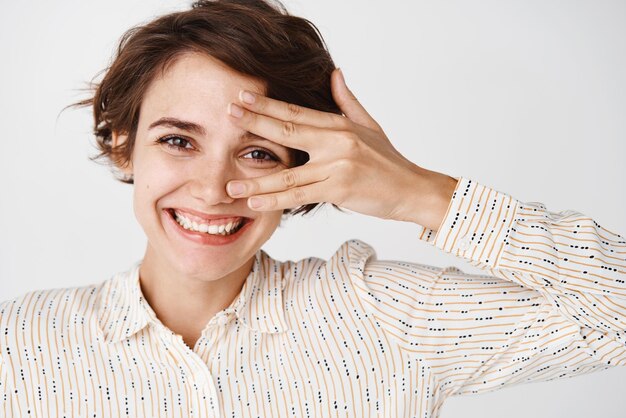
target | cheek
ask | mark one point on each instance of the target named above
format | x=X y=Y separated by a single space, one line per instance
x=272 y=220
x=152 y=180
x=153 y=173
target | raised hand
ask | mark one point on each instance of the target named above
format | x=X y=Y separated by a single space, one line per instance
x=351 y=163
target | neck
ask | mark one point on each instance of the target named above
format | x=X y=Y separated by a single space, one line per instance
x=186 y=303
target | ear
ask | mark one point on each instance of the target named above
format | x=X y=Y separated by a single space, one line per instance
x=118 y=139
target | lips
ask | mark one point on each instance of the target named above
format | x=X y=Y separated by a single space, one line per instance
x=204 y=238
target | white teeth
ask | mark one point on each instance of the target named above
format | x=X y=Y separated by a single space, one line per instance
x=224 y=229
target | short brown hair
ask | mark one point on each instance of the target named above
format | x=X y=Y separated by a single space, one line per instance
x=255 y=37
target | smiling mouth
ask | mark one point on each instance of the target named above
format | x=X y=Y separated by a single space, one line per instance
x=223 y=227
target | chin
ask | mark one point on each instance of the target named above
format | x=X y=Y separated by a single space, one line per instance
x=207 y=268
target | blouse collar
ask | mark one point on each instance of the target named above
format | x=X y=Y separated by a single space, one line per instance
x=123 y=310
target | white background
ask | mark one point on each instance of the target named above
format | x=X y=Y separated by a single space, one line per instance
x=527 y=97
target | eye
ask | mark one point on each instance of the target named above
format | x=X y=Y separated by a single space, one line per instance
x=260 y=155
x=176 y=142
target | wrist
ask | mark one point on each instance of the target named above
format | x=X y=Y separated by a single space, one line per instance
x=432 y=198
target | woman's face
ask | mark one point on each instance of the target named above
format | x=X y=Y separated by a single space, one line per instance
x=186 y=150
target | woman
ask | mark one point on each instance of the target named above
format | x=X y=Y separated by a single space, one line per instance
x=210 y=111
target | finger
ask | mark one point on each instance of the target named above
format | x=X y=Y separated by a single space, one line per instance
x=298 y=196
x=289 y=134
x=348 y=103
x=288 y=111
x=280 y=181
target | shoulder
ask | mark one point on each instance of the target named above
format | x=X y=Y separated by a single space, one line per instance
x=356 y=266
x=47 y=309
x=352 y=254
x=319 y=276
x=29 y=302
x=355 y=254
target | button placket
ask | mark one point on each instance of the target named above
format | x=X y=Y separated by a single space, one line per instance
x=201 y=373
x=212 y=335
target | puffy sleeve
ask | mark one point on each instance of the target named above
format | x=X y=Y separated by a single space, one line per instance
x=551 y=304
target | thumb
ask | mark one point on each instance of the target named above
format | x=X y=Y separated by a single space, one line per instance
x=348 y=103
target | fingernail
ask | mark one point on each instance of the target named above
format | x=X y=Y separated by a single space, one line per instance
x=235 y=188
x=255 y=202
x=235 y=110
x=246 y=97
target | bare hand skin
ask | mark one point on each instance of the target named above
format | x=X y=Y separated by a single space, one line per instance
x=351 y=163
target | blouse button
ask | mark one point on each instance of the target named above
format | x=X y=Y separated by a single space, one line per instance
x=464 y=244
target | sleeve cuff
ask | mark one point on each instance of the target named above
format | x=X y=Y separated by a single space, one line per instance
x=476 y=225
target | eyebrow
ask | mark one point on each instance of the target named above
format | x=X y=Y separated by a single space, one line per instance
x=179 y=124
x=198 y=129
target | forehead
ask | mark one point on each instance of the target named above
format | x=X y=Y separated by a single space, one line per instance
x=195 y=87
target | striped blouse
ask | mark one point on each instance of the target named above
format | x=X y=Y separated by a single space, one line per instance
x=351 y=336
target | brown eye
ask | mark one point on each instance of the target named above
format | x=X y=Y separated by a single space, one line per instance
x=176 y=142
x=260 y=155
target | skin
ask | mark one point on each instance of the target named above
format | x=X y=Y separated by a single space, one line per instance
x=186 y=283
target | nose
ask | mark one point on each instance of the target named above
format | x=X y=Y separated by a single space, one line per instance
x=208 y=181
